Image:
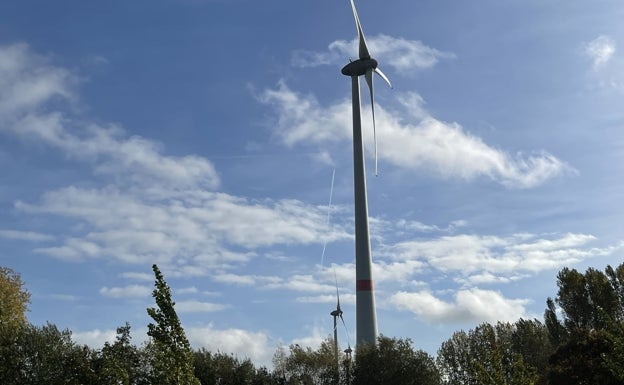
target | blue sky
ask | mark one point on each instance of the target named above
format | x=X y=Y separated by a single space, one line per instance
x=203 y=136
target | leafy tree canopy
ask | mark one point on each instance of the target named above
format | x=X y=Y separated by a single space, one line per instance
x=394 y=361
x=589 y=337
x=14 y=299
x=172 y=358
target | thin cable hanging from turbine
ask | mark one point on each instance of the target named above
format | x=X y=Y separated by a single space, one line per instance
x=331 y=193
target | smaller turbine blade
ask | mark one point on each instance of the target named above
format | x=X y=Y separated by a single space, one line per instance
x=383 y=76
x=369 y=81
x=343 y=322
x=363 y=50
x=346 y=331
x=337 y=294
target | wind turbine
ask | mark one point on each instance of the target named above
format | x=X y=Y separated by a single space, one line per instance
x=366 y=317
x=338 y=314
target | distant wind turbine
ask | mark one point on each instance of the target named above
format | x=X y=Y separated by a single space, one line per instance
x=366 y=317
x=338 y=314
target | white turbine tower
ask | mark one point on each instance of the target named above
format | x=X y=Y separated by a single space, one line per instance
x=366 y=317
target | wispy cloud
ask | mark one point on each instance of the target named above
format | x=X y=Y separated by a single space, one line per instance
x=243 y=343
x=94 y=338
x=193 y=306
x=28 y=82
x=132 y=227
x=25 y=235
x=346 y=298
x=600 y=50
x=404 y=56
x=490 y=259
x=469 y=306
x=154 y=207
x=411 y=139
x=186 y=290
x=130 y=291
x=137 y=276
x=64 y=297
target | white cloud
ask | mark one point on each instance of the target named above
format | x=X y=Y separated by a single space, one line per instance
x=490 y=259
x=382 y=228
x=469 y=306
x=130 y=291
x=314 y=340
x=29 y=82
x=138 y=276
x=133 y=227
x=345 y=298
x=193 y=306
x=25 y=235
x=396 y=271
x=242 y=343
x=95 y=339
x=186 y=290
x=137 y=159
x=237 y=279
x=300 y=116
x=441 y=148
x=600 y=50
x=301 y=282
x=405 y=56
x=64 y=297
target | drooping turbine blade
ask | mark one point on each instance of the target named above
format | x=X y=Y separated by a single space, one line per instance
x=363 y=49
x=369 y=81
x=383 y=76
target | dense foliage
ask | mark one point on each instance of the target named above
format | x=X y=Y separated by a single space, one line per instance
x=171 y=354
x=590 y=336
x=14 y=299
x=496 y=354
x=580 y=341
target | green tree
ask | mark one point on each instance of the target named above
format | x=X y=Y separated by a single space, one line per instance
x=46 y=355
x=502 y=354
x=305 y=366
x=394 y=361
x=14 y=300
x=531 y=341
x=589 y=337
x=455 y=360
x=583 y=361
x=226 y=369
x=120 y=363
x=172 y=358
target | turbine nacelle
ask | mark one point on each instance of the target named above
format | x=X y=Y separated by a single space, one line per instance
x=366 y=66
x=359 y=67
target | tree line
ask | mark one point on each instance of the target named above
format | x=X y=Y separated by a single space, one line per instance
x=579 y=341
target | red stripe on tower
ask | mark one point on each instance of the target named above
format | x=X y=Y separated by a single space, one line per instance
x=364 y=285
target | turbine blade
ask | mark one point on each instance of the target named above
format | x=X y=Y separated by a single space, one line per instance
x=363 y=50
x=346 y=331
x=369 y=81
x=383 y=76
x=337 y=294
